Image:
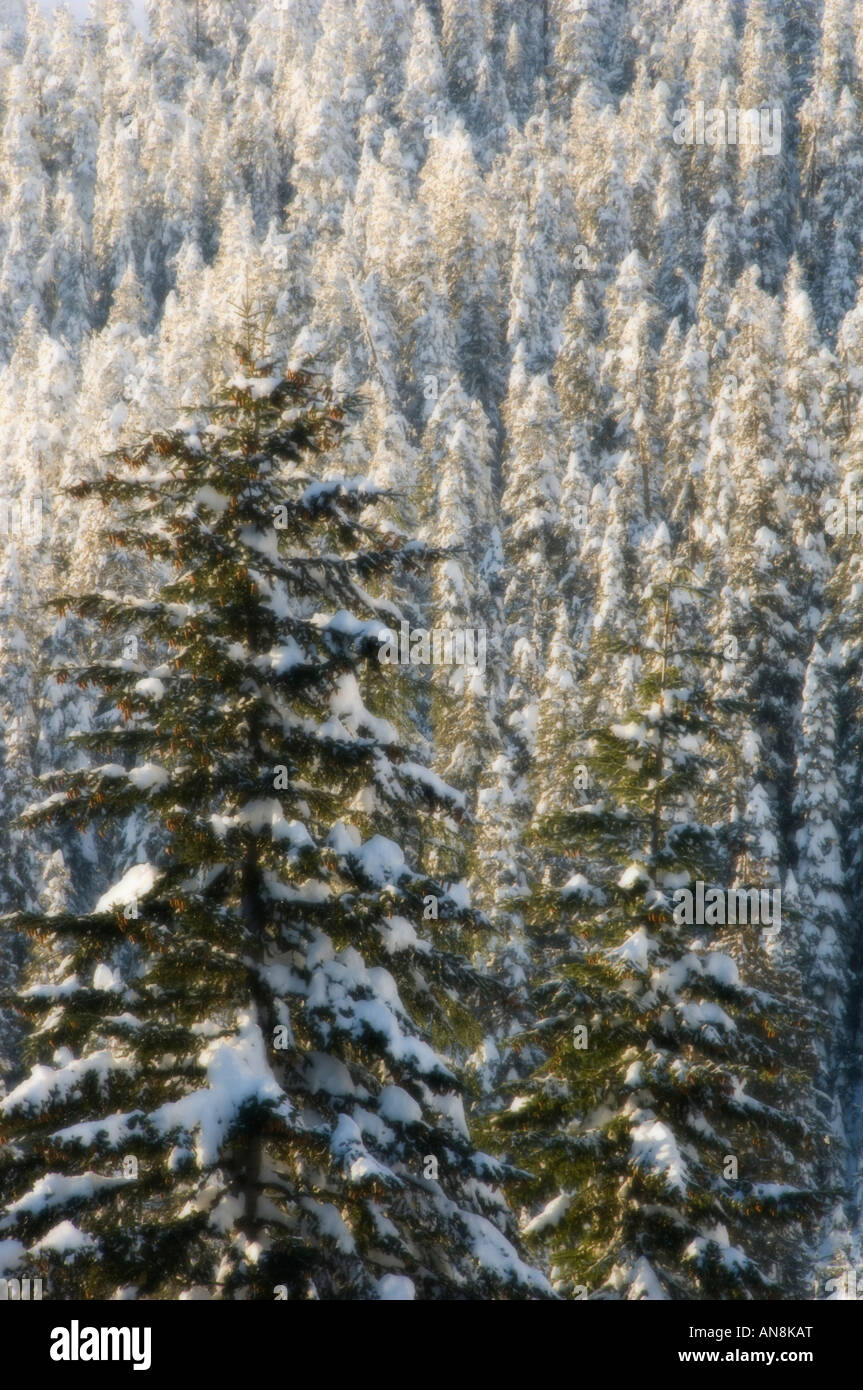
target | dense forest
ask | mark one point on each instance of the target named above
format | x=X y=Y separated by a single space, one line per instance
x=431 y=653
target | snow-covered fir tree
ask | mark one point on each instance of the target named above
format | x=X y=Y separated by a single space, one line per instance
x=587 y=350
x=656 y=1126
x=233 y=1087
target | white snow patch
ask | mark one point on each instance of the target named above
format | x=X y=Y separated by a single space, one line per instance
x=721 y=968
x=553 y=1212
x=396 y=1288
x=397 y=1107
x=44 y=1082
x=105 y=978
x=632 y=876
x=148 y=775
x=152 y=686
x=64 y=1239
x=634 y=950
x=55 y=1190
x=380 y=859
x=655 y=1149
x=237 y=1071
x=135 y=884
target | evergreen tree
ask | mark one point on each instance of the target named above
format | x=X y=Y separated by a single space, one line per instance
x=660 y=1064
x=586 y=351
x=233 y=1085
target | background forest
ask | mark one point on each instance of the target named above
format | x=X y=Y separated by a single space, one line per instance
x=556 y=375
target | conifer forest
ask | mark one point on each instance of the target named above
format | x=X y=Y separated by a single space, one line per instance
x=431 y=652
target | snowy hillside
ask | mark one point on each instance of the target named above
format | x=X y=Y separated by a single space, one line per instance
x=451 y=414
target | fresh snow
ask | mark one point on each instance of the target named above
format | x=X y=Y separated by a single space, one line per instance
x=63 y=1239
x=135 y=884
